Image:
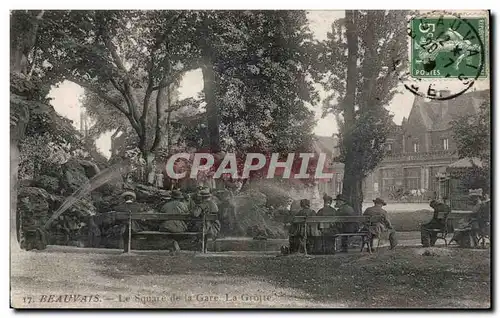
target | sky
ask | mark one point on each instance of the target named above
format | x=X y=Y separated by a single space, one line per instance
x=66 y=96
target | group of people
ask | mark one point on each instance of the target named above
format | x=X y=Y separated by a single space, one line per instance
x=176 y=202
x=320 y=236
x=475 y=227
x=470 y=229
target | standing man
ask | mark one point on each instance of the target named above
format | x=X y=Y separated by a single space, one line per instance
x=296 y=230
x=313 y=233
x=428 y=238
x=129 y=205
x=344 y=209
x=381 y=225
x=207 y=206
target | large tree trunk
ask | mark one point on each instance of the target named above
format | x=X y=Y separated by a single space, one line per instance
x=353 y=187
x=148 y=169
x=352 y=69
x=14 y=166
x=20 y=46
x=353 y=179
x=209 y=87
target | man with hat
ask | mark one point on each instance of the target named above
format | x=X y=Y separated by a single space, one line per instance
x=296 y=230
x=327 y=209
x=344 y=209
x=325 y=228
x=428 y=238
x=174 y=206
x=313 y=233
x=382 y=224
x=205 y=205
x=129 y=205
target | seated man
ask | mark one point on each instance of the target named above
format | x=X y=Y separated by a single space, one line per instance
x=326 y=229
x=344 y=209
x=175 y=206
x=475 y=227
x=382 y=225
x=483 y=217
x=428 y=238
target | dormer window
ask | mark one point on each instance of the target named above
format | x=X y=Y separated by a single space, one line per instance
x=389 y=147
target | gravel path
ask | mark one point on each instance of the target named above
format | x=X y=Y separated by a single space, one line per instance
x=98 y=278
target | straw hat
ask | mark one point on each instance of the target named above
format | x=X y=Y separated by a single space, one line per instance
x=176 y=194
x=204 y=193
x=128 y=194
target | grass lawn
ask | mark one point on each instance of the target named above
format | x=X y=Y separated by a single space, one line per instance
x=448 y=277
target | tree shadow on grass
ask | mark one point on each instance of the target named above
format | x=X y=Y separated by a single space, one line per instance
x=389 y=279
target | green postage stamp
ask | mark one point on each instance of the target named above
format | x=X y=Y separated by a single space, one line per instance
x=448 y=47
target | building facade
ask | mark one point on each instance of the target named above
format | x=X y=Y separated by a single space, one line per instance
x=420 y=149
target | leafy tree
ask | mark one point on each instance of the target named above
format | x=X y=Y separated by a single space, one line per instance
x=38 y=134
x=129 y=59
x=256 y=84
x=26 y=92
x=361 y=62
x=265 y=88
x=472 y=133
x=107 y=118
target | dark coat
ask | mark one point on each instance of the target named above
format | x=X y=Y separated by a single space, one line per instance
x=378 y=211
x=174 y=207
x=133 y=207
x=440 y=207
x=326 y=211
x=298 y=229
x=346 y=210
x=437 y=222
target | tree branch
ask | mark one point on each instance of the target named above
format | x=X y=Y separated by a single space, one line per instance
x=131 y=113
x=159 y=101
x=116 y=58
x=98 y=92
x=147 y=97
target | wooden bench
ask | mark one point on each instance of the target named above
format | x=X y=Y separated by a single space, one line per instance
x=447 y=217
x=335 y=219
x=126 y=216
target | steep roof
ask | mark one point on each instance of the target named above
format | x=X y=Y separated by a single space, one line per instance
x=437 y=114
